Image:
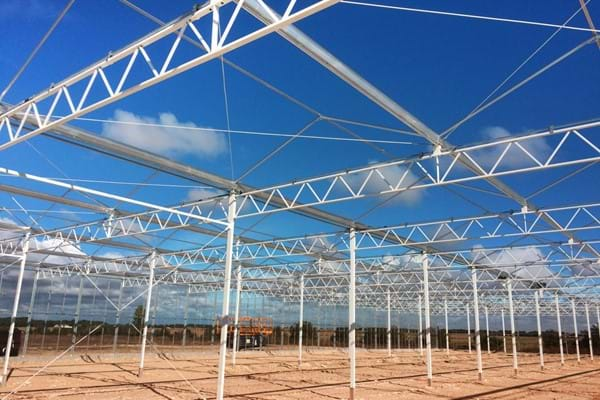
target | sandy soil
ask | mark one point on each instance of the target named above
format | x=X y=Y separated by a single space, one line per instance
x=274 y=374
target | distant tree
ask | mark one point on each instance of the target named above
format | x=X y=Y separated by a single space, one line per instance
x=138 y=317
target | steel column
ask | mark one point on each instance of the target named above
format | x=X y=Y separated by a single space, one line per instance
x=575 y=329
x=476 y=317
x=513 y=336
x=389 y=324
x=231 y=212
x=503 y=330
x=398 y=331
x=487 y=329
x=598 y=319
x=469 y=327
x=186 y=308
x=352 y=314
x=147 y=314
x=427 y=319
x=30 y=310
x=77 y=314
x=238 y=293
x=539 y=329
x=559 y=327
x=118 y=318
x=15 y=309
x=589 y=329
x=446 y=324
x=421 y=325
x=301 y=321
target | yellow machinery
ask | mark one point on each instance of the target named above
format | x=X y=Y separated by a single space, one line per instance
x=251 y=330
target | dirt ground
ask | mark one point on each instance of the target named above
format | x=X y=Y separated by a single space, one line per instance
x=274 y=374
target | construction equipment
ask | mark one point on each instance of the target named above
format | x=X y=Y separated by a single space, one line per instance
x=252 y=331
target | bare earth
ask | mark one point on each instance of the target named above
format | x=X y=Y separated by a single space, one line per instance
x=274 y=374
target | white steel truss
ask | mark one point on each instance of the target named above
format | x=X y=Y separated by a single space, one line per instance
x=216 y=41
x=440 y=167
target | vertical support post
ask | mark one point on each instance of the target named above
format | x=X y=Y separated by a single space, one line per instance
x=301 y=321
x=560 y=335
x=319 y=324
x=236 y=322
x=30 y=310
x=118 y=319
x=539 y=329
x=446 y=323
x=598 y=319
x=389 y=324
x=487 y=329
x=334 y=326
x=15 y=309
x=186 y=308
x=511 y=311
x=147 y=314
x=503 y=330
x=575 y=329
x=589 y=329
x=154 y=312
x=352 y=314
x=469 y=327
x=398 y=332
x=231 y=212
x=476 y=318
x=77 y=314
x=427 y=319
x=420 y=325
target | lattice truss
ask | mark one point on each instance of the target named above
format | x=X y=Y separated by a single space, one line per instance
x=389 y=259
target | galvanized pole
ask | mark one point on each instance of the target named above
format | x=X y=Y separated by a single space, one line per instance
x=77 y=314
x=598 y=319
x=446 y=323
x=147 y=314
x=539 y=329
x=420 y=325
x=389 y=324
x=30 y=310
x=511 y=311
x=589 y=329
x=575 y=328
x=427 y=319
x=469 y=327
x=117 y=319
x=560 y=336
x=238 y=292
x=398 y=331
x=231 y=211
x=352 y=314
x=487 y=330
x=186 y=308
x=300 y=321
x=13 y=317
x=476 y=317
x=503 y=329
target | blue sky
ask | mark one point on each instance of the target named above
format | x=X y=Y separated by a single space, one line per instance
x=437 y=67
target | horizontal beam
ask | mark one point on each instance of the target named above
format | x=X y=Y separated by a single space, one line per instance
x=440 y=167
x=137 y=62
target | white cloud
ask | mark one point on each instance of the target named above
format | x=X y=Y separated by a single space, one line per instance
x=515 y=157
x=57 y=246
x=515 y=256
x=29 y=9
x=201 y=194
x=391 y=175
x=7 y=232
x=407 y=261
x=165 y=135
